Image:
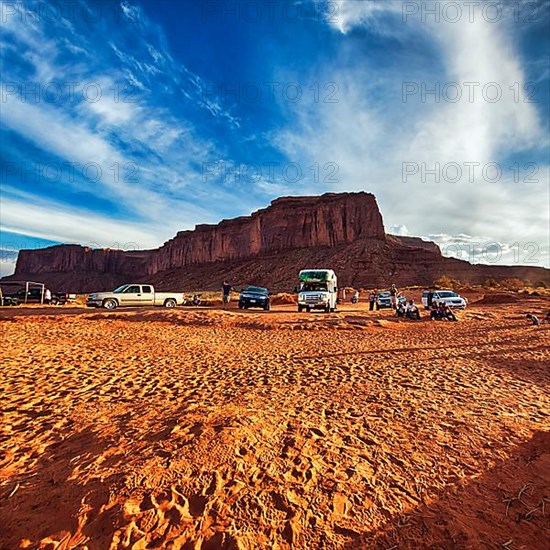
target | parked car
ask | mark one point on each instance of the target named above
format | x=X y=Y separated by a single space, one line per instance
x=254 y=296
x=62 y=298
x=7 y=300
x=134 y=295
x=383 y=300
x=34 y=296
x=449 y=297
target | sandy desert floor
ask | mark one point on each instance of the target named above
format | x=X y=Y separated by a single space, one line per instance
x=205 y=429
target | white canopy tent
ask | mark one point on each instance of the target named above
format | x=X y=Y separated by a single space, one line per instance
x=28 y=285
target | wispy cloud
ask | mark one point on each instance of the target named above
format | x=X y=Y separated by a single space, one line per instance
x=51 y=220
x=108 y=110
x=372 y=131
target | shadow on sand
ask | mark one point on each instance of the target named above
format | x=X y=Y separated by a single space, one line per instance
x=51 y=498
x=506 y=507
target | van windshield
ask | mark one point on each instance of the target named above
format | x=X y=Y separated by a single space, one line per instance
x=314 y=286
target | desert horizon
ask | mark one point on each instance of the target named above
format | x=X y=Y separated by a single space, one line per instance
x=344 y=231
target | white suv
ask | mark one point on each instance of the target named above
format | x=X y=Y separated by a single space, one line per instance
x=449 y=297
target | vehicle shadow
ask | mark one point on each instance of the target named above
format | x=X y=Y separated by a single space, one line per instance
x=52 y=499
x=504 y=507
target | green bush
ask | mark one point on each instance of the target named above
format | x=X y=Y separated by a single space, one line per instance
x=490 y=283
x=447 y=282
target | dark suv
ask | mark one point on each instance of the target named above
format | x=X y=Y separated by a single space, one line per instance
x=34 y=295
x=254 y=296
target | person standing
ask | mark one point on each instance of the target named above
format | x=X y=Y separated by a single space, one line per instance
x=47 y=296
x=226 y=290
x=393 y=296
x=372 y=299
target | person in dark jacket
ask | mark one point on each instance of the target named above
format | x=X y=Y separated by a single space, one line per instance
x=226 y=290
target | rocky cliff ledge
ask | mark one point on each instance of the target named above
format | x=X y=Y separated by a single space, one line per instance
x=343 y=231
x=288 y=223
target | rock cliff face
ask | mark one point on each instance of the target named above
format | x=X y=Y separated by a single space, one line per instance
x=342 y=231
x=289 y=223
x=73 y=258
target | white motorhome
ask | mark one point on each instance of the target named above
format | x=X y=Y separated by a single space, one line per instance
x=318 y=290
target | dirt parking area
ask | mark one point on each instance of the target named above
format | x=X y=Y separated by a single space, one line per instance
x=203 y=429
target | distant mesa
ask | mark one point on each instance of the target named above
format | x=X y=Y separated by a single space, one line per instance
x=342 y=230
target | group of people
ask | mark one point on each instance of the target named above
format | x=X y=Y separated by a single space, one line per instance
x=536 y=321
x=441 y=312
x=409 y=310
x=394 y=296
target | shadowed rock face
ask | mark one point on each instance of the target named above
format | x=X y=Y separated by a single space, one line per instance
x=71 y=258
x=342 y=231
x=289 y=223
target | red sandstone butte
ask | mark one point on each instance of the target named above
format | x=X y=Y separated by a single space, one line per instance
x=344 y=231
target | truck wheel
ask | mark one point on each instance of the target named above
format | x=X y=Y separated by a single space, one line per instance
x=170 y=303
x=110 y=304
x=266 y=307
x=308 y=309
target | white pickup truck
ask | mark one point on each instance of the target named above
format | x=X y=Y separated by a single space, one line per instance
x=134 y=295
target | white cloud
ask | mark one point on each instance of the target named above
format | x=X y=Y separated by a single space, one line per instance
x=150 y=159
x=8 y=257
x=371 y=132
x=485 y=250
x=52 y=221
x=400 y=230
x=345 y=14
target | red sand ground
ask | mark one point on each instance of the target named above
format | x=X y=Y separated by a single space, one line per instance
x=202 y=429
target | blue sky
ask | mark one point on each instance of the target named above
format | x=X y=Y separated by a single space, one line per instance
x=125 y=122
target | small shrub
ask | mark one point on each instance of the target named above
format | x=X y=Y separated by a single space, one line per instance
x=513 y=284
x=490 y=283
x=447 y=282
